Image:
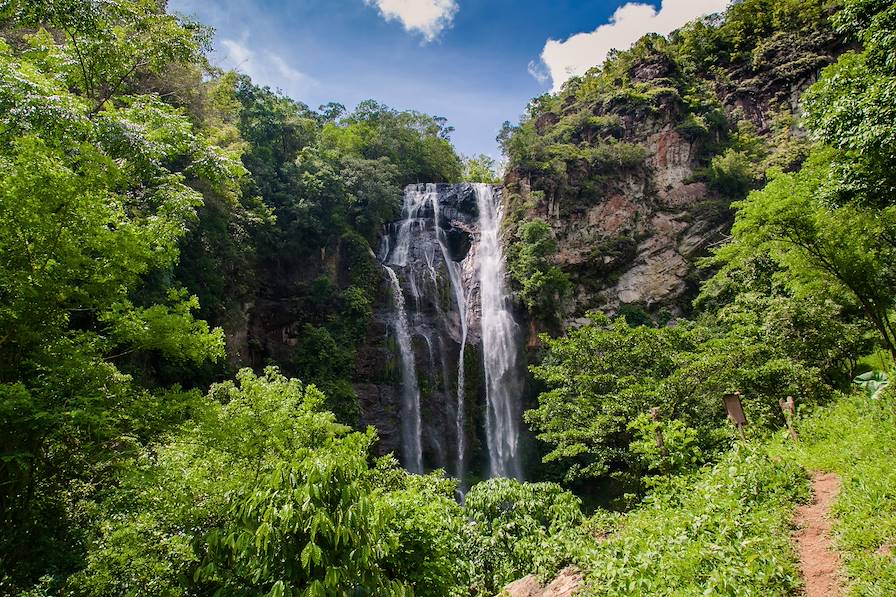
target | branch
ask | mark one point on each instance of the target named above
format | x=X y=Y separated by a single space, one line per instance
x=108 y=95
x=88 y=81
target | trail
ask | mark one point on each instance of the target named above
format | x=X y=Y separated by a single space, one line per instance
x=819 y=562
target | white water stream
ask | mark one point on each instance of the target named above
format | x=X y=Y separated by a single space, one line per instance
x=410 y=255
x=411 y=427
x=500 y=346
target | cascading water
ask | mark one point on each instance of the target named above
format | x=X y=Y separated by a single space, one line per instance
x=411 y=428
x=411 y=425
x=446 y=253
x=500 y=345
x=460 y=301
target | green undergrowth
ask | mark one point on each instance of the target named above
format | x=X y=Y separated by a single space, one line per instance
x=726 y=529
x=722 y=531
x=856 y=438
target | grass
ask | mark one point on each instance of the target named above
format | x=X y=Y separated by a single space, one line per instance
x=723 y=531
x=856 y=438
x=880 y=361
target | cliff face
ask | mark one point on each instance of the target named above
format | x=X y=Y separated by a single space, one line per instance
x=628 y=164
x=434 y=318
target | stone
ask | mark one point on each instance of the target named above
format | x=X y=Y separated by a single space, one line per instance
x=566 y=584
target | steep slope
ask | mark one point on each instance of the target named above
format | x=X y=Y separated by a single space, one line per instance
x=634 y=165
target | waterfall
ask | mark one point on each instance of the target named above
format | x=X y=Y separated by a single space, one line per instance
x=411 y=428
x=446 y=270
x=500 y=346
x=460 y=300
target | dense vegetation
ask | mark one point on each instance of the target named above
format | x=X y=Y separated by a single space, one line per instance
x=795 y=299
x=146 y=198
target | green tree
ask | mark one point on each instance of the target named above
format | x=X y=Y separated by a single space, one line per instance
x=843 y=253
x=96 y=192
x=265 y=494
x=481 y=168
x=544 y=286
x=852 y=109
x=112 y=44
x=517 y=529
x=605 y=374
x=608 y=374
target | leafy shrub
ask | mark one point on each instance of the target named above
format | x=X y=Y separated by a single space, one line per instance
x=265 y=494
x=543 y=285
x=733 y=173
x=680 y=451
x=517 y=529
x=425 y=528
x=726 y=531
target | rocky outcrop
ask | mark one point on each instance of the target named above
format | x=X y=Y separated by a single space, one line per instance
x=566 y=584
x=635 y=241
x=630 y=230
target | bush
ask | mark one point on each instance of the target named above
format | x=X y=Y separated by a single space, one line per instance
x=609 y=373
x=733 y=173
x=267 y=495
x=544 y=286
x=517 y=529
x=725 y=531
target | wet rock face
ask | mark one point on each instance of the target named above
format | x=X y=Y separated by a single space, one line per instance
x=457 y=205
x=432 y=250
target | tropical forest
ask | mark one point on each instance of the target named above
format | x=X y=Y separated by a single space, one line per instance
x=251 y=347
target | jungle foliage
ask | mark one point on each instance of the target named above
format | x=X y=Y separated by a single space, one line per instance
x=800 y=293
x=146 y=198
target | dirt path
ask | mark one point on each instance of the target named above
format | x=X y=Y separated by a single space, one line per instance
x=819 y=562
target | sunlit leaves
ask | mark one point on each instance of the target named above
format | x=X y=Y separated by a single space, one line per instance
x=519 y=528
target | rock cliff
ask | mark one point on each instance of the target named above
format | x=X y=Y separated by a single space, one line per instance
x=624 y=164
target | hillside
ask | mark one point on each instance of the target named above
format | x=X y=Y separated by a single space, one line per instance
x=249 y=347
x=635 y=165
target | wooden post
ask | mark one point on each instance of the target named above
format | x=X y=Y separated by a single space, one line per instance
x=736 y=412
x=789 y=410
x=660 y=442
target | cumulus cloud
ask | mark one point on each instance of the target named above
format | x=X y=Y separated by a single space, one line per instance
x=427 y=17
x=266 y=67
x=575 y=55
x=537 y=70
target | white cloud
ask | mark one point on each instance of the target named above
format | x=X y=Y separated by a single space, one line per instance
x=575 y=55
x=237 y=54
x=537 y=70
x=266 y=67
x=427 y=17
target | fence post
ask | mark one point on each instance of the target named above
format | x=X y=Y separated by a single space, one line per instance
x=736 y=412
x=660 y=441
x=789 y=410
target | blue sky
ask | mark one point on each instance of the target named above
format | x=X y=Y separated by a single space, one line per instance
x=476 y=62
